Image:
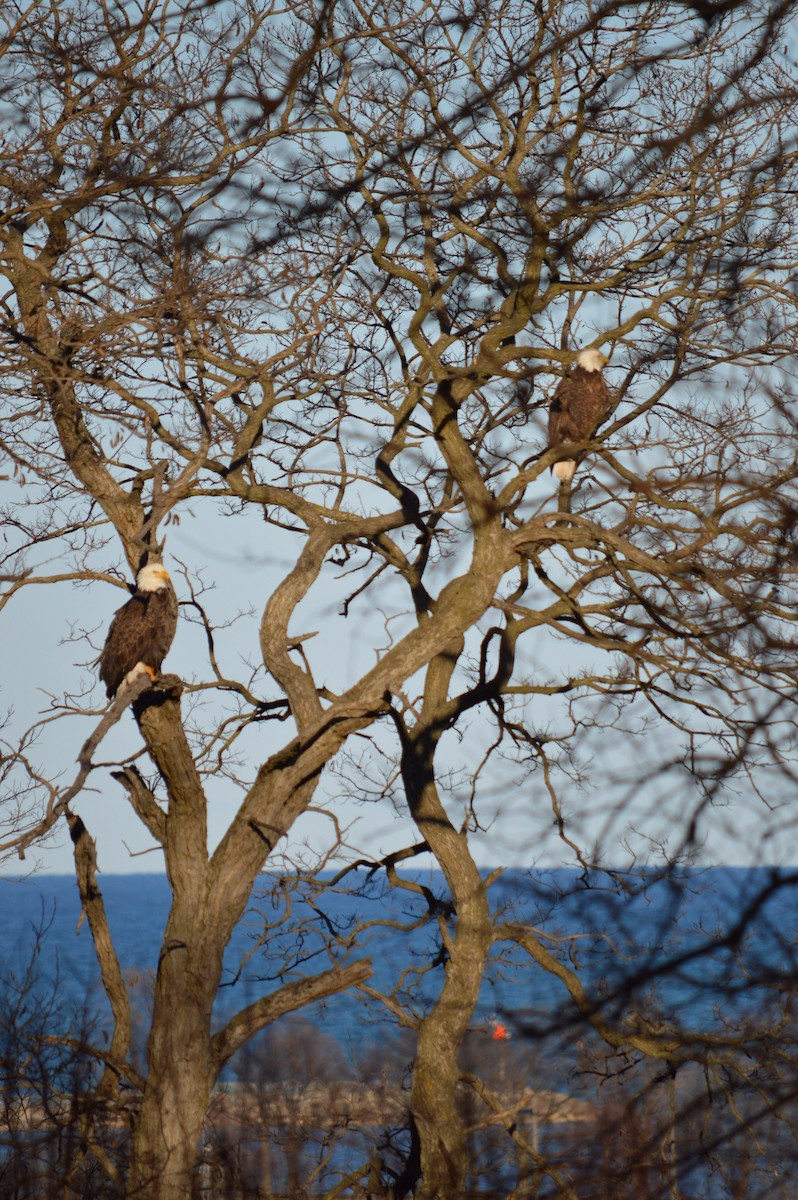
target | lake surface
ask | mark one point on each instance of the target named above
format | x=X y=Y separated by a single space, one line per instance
x=714 y=944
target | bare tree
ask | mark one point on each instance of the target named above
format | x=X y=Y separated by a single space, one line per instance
x=318 y=268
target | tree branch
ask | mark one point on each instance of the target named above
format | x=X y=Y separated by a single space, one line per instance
x=287 y=999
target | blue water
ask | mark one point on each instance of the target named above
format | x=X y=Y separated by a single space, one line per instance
x=704 y=946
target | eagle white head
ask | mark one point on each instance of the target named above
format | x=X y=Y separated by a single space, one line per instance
x=152 y=578
x=591 y=359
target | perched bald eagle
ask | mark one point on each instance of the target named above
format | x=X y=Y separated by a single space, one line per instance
x=142 y=630
x=579 y=406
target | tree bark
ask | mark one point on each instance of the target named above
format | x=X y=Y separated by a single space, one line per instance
x=181 y=1064
x=182 y=1070
x=440 y=1132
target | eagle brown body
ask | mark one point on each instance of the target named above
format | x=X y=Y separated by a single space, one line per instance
x=142 y=630
x=580 y=404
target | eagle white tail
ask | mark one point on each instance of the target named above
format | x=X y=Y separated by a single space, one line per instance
x=565 y=470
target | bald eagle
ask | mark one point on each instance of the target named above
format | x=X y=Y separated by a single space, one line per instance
x=142 y=630
x=579 y=406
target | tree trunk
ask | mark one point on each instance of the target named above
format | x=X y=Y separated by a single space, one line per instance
x=181 y=1064
x=434 y=1100
x=442 y=1139
x=182 y=1070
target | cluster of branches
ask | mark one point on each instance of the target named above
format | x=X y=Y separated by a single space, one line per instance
x=314 y=270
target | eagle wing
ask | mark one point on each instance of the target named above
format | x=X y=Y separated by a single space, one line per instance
x=579 y=405
x=141 y=632
x=562 y=427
